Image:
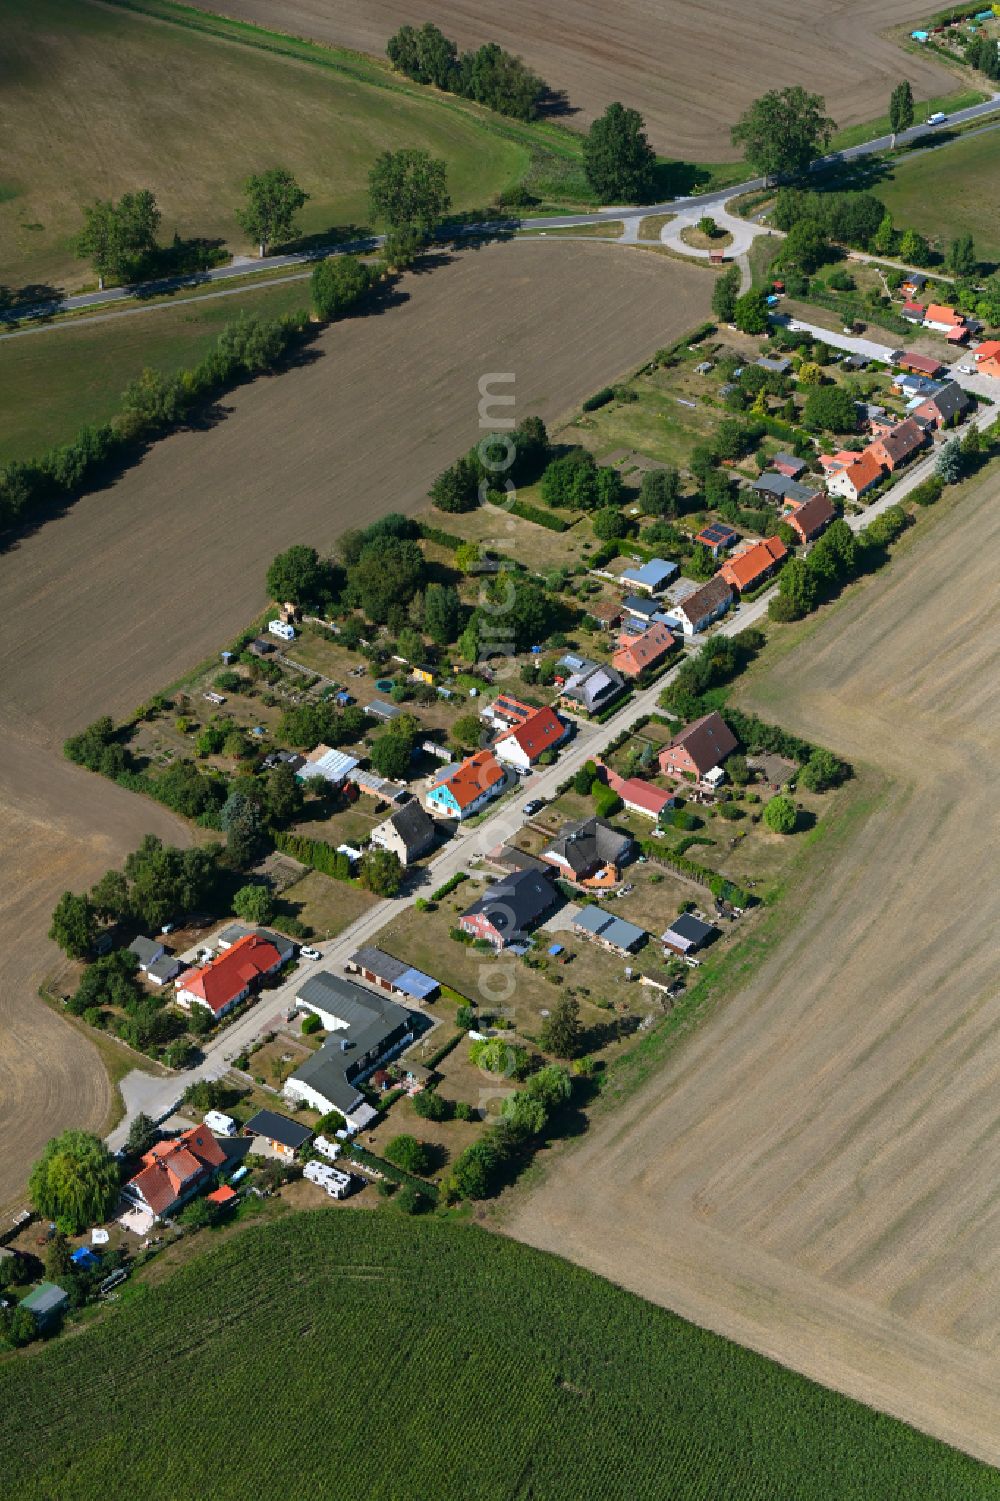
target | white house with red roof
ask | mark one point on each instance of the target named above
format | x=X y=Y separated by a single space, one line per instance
x=522 y=745
x=229 y=978
x=463 y=790
x=173 y=1171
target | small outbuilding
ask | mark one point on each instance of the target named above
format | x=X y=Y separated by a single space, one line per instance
x=46 y=1304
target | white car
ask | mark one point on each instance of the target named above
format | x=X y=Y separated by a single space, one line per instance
x=966 y=370
x=310 y=953
x=937 y=118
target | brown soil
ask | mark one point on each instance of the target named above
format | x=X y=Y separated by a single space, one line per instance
x=691 y=69
x=59 y=828
x=813 y=1172
x=138 y=582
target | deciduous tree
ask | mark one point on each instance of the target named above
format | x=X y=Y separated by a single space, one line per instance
x=618 y=158
x=900 y=110
x=75 y=1182
x=273 y=200
x=408 y=189
x=783 y=132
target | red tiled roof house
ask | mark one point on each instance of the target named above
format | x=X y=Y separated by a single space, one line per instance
x=228 y=979
x=462 y=791
x=745 y=570
x=897 y=447
x=636 y=653
x=173 y=1171
x=522 y=745
x=856 y=478
x=696 y=752
x=812 y=517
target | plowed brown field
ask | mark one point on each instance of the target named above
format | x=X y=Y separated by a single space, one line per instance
x=691 y=68
x=815 y=1171
x=139 y=582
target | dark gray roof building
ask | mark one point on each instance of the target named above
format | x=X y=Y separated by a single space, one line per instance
x=275 y=1127
x=364 y=1028
x=582 y=848
x=688 y=933
x=511 y=906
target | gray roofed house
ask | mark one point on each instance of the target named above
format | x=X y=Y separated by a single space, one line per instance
x=949 y=403
x=776 y=486
x=509 y=908
x=582 y=849
x=687 y=933
x=408 y=832
x=612 y=932
x=164 y=969
x=364 y=1028
x=592 y=686
x=146 y=950
x=778 y=366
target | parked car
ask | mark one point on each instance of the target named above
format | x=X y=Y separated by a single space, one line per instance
x=533 y=805
x=308 y=952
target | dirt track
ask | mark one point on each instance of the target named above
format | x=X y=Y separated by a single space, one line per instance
x=690 y=68
x=814 y=1172
x=136 y=584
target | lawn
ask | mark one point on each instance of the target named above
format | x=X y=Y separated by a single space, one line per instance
x=326 y=906
x=58 y=381
x=130 y=101
x=949 y=192
x=441 y=1321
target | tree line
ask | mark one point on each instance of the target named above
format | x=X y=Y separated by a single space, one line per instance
x=490 y=76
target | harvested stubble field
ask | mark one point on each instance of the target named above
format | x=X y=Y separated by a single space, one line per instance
x=690 y=68
x=137 y=582
x=615 y=1399
x=814 y=1171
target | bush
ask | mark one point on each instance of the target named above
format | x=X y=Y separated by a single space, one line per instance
x=338 y=284
x=311 y=1023
x=780 y=815
x=430 y=1106
x=409 y=1154
x=599 y=399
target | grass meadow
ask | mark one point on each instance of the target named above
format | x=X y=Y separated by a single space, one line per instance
x=100 y=99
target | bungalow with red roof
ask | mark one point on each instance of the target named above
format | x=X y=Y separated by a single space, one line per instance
x=463 y=790
x=636 y=653
x=696 y=752
x=231 y=976
x=808 y=520
x=913 y=312
x=173 y=1171
x=920 y=364
x=898 y=446
x=943 y=318
x=638 y=796
x=521 y=746
x=857 y=478
x=748 y=569
x=988 y=358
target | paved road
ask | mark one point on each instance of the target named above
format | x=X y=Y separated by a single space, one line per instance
x=243 y=266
